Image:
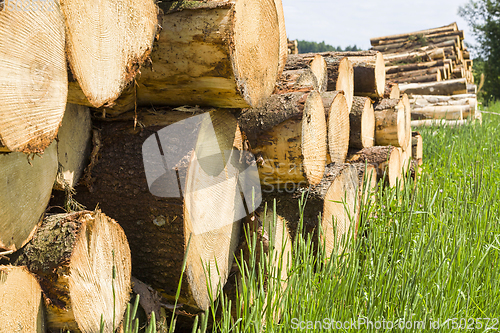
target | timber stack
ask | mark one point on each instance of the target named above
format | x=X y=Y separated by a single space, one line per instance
x=180 y=139
x=434 y=68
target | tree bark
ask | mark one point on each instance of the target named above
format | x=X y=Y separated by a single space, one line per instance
x=417 y=146
x=449 y=112
x=21 y=305
x=443 y=29
x=448 y=87
x=33 y=76
x=289 y=136
x=391 y=90
x=386 y=159
x=104 y=65
x=295 y=80
x=313 y=61
x=182 y=194
x=390 y=126
x=413 y=67
x=338 y=127
x=414 y=56
x=362 y=123
x=82 y=261
x=73 y=146
x=239 y=63
x=25 y=187
x=412 y=77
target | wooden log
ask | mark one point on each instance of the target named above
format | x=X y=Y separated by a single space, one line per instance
x=449 y=112
x=339 y=222
x=413 y=67
x=406 y=158
x=413 y=73
x=106 y=54
x=438 y=122
x=33 y=76
x=448 y=87
x=446 y=28
x=298 y=79
x=367 y=177
x=414 y=56
x=283 y=55
x=73 y=146
x=433 y=37
x=239 y=66
x=20 y=301
x=434 y=77
x=407 y=118
x=338 y=125
x=417 y=147
x=362 y=123
x=289 y=135
x=25 y=187
x=471 y=89
x=386 y=159
x=181 y=193
x=369 y=74
x=313 y=61
x=425 y=42
x=391 y=90
x=340 y=75
x=433 y=99
x=390 y=127
x=82 y=261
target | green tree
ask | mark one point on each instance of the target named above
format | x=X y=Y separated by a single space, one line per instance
x=314 y=47
x=484 y=18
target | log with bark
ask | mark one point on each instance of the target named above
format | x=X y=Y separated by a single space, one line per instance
x=369 y=73
x=438 y=122
x=82 y=262
x=338 y=125
x=390 y=123
x=210 y=54
x=447 y=87
x=21 y=304
x=413 y=67
x=391 y=90
x=336 y=197
x=73 y=146
x=414 y=56
x=315 y=62
x=295 y=80
x=417 y=78
x=449 y=112
x=447 y=28
x=25 y=187
x=471 y=88
x=289 y=136
x=417 y=147
x=105 y=54
x=175 y=186
x=33 y=76
x=386 y=159
x=362 y=123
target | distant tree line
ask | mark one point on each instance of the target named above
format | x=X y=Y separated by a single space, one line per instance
x=307 y=47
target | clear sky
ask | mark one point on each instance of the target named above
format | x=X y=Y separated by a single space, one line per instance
x=349 y=22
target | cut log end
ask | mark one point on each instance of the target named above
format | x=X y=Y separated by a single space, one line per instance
x=338 y=126
x=345 y=81
x=21 y=301
x=362 y=123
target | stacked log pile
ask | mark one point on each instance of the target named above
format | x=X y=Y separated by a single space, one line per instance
x=430 y=66
x=182 y=122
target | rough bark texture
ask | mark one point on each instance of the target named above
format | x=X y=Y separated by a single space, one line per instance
x=194 y=199
x=362 y=123
x=340 y=75
x=288 y=135
x=315 y=62
x=448 y=87
x=337 y=113
x=385 y=158
x=296 y=80
x=210 y=54
x=446 y=28
x=25 y=187
x=82 y=261
x=73 y=146
x=33 y=76
x=449 y=112
x=21 y=304
x=391 y=90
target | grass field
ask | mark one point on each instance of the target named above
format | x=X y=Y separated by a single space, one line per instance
x=426 y=259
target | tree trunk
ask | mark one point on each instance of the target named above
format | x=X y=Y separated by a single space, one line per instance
x=449 y=112
x=340 y=75
x=73 y=146
x=33 y=76
x=391 y=90
x=338 y=128
x=362 y=123
x=25 y=188
x=339 y=223
x=369 y=74
x=446 y=28
x=448 y=87
x=105 y=54
x=21 y=305
x=82 y=261
x=390 y=126
x=406 y=79
x=414 y=56
x=288 y=135
x=296 y=80
x=386 y=159
x=417 y=147
x=313 y=61
x=239 y=63
x=182 y=193
x=413 y=72
x=283 y=55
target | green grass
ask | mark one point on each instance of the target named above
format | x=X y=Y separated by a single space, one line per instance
x=429 y=253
